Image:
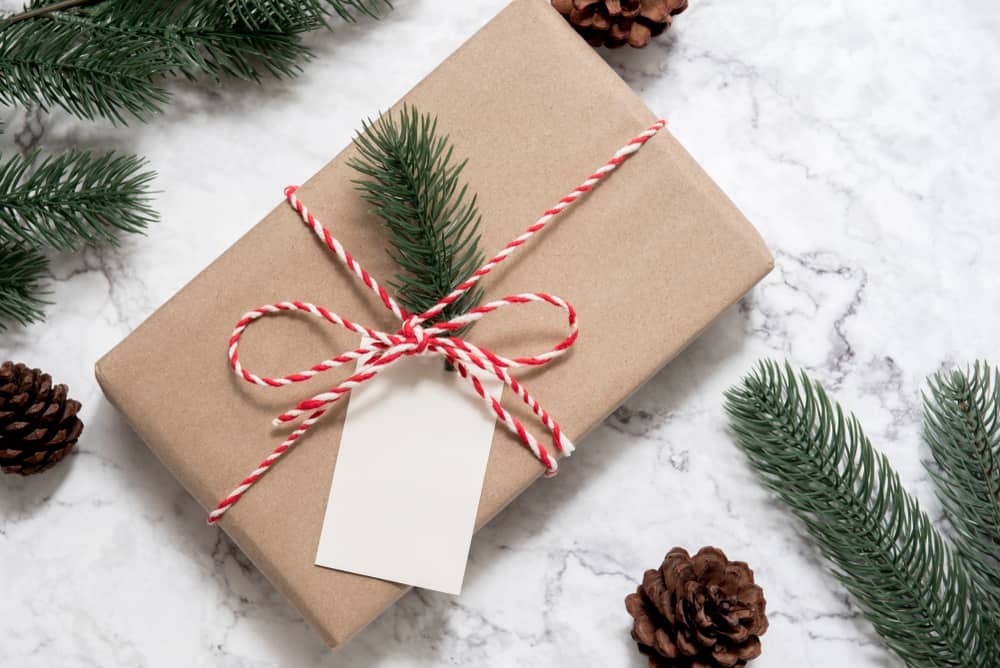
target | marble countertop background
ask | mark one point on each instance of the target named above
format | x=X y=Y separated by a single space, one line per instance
x=860 y=138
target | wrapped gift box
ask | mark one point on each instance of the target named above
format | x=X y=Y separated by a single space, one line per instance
x=649 y=260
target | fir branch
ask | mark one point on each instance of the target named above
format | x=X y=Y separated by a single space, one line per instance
x=39 y=8
x=201 y=37
x=50 y=63
x=349 y=10
x=962 y=428
x=73 y=199
x=21 y=294
x=277 y=13
x=107 y=59
x=883 y=548
x=412 y=183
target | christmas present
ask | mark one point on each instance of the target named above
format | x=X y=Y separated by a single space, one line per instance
x=648 y=260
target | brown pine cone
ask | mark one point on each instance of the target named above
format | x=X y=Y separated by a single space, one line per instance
x=698 y=612
x=615 y=23
x=38 y=423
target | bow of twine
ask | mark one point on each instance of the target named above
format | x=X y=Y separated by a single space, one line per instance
x=416 y=337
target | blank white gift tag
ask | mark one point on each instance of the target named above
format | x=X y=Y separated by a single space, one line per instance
x=409 y=475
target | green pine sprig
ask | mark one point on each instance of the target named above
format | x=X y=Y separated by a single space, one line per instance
x=21 y=292
x=73 y=199
x=412 y=183
x=200 y=38
x=109 y=58
x=51 y=63
x=913 y=588
x=962 y=428
x=263 y=13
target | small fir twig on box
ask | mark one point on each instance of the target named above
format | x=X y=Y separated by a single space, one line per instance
x=917 y=592
x=412 y=184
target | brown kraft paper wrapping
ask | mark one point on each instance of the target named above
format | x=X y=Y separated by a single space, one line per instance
x=648 y=259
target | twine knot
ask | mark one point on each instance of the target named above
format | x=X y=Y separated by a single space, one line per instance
x=415 y=334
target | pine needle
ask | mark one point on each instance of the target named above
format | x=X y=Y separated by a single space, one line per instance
x=73 y=199
x=21 y=294
x=962 y=428
x=433 y=224
x=919 y=596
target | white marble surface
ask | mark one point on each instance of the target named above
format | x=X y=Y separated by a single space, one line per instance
x=860 y=137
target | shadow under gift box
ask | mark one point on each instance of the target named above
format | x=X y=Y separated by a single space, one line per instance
x=649 y=260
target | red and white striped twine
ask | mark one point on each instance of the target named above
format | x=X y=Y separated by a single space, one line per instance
x=415 y=339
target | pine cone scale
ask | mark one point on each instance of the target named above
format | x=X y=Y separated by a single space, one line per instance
x=37 y=436
x=67 y=435
x=664 y=645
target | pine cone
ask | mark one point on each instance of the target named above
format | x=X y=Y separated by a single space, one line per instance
x=615 y=23
x=38 y=424
x=698 y=612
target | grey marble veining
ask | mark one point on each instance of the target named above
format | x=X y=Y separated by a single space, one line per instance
x=860 y=138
